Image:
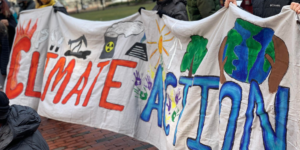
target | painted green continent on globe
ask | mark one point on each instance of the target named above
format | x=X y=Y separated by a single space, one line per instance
x=245 y=49
x=195 y=52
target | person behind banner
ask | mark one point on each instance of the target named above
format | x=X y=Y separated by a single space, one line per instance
x=12 y=8
x=56 y=5
x=18 y=127
x=8 y=20
x=26 y=5
x=7 y=27
x=4 y=53
x=267 y=8
x=199 y=9
x=173 y=8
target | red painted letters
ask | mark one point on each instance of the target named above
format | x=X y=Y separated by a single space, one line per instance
x=59 y=67
x=32 y=76
x=75 y=90
x=109 y=83
x=49 y=55
x=87 y=98
x=22 y=43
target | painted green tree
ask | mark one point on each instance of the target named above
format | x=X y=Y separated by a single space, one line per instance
x=195 y=52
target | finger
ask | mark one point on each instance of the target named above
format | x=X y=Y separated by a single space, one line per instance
x=226 y=3
x=234 y=2
x=297 y=10
x=292 y=4
x=295 y=6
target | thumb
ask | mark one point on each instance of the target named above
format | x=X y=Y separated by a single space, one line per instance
x=226 y=4
x=234 y=2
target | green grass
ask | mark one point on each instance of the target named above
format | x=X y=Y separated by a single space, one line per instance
x=112 y=13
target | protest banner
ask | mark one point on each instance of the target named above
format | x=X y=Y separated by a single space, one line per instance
x=229 y=81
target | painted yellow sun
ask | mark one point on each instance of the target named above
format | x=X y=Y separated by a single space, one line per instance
x=160 y=47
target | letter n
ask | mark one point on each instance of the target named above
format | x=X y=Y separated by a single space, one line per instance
x=272 y=140
x=234 y=92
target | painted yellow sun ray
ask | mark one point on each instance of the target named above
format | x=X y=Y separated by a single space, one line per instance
x=169 y=39
x=168 y=33
x=164 y=76
x=168 y=118
x=172 y=98
x=160 y=44
x=151 y=71
x=152 y=42
x=158 y=27
x=153 y=53
x=157 y=62
x=163 y=28
x=166 y=51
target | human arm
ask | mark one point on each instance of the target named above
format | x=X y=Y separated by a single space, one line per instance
x=9 y=21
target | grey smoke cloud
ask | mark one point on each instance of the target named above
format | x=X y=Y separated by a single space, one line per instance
x=125 y=28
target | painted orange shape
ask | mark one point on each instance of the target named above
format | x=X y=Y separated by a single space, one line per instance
x=21 y=43
x=160 y=44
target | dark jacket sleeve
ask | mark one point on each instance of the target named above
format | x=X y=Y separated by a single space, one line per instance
x=258 y=7
x=11 y=21
x=24 y=122
x=31 y=5
x=297 y=1
x=180 y=12
x=199 y=9
x=207 y=7
x=60 y=9
x=63 y=10
x=5 y=51
x=33 y=142
x=11 y=30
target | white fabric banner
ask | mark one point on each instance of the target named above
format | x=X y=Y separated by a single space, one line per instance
x=229 y=81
